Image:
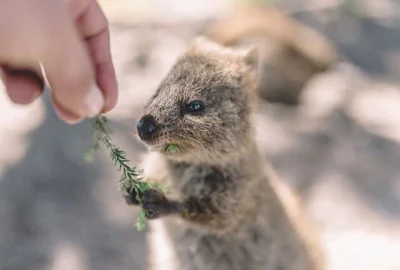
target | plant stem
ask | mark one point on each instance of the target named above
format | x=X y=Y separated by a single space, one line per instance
x=130 y=177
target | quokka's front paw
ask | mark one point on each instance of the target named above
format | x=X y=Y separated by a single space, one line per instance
x=154 y=203
x=130 y=197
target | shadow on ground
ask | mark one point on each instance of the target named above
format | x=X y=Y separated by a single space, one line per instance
x=367 y=162
x=51 y=198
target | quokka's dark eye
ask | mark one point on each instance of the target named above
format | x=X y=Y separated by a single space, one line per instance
x=194 y=107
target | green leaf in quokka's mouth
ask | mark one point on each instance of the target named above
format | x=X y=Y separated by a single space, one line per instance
x=171 y=148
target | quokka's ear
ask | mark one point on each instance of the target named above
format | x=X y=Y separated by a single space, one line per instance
x=204 y=44
x=250 y=55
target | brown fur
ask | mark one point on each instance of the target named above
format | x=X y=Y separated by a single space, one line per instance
x=291 y=52
x=226 y=212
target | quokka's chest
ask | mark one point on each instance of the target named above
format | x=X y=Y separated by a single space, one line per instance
x=196 y=179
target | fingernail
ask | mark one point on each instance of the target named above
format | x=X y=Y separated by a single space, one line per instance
x=72 y=121
x=67 y=118
x=94 y=102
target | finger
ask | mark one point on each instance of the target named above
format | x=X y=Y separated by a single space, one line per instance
x=23 y=86
x=69 y=70
x=105 y=73
x=66 y=116
x=93 y=26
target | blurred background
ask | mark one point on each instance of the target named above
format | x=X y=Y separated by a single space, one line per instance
x=328 y=120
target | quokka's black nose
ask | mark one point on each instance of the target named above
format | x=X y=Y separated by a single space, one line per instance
x=146 y=127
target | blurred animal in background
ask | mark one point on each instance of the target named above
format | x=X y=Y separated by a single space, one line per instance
x=291 y=52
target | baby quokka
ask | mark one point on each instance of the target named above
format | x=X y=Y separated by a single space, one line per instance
x=225 y=211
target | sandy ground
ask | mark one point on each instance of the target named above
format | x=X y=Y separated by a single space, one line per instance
x=340 y=149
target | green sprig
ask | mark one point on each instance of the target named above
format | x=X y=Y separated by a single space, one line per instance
x=131 y=177
x=171 y=149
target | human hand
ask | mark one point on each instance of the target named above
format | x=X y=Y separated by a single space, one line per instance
x=70 y=38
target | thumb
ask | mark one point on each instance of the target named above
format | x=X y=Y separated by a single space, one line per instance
x=70 y=73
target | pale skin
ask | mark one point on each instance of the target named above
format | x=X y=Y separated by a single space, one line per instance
x=70 y=38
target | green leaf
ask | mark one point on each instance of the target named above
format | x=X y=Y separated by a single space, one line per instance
x=89 y=156
x=158 y=186
x=171 y=148
x=141 y=221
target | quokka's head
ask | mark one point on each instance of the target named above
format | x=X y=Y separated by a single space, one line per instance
x=202 y=107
